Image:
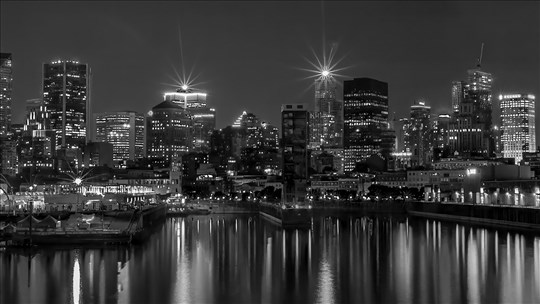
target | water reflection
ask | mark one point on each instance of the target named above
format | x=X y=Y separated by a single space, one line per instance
x=244 y=259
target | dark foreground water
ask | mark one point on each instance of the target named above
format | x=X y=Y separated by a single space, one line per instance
x=243 y=259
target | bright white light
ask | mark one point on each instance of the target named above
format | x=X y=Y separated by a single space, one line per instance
x=78 y=181
x=471 y=171
x=184 y=87
x=325 y=73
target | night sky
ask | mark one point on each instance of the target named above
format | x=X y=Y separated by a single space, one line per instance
x=250 y=55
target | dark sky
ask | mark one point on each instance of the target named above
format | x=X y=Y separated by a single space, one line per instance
x=249 y=54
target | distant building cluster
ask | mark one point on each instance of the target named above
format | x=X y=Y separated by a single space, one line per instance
x=337 y=144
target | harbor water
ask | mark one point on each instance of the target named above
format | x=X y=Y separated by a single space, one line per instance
x=246 y=259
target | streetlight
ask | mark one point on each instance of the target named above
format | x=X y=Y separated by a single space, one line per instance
x=78 y=182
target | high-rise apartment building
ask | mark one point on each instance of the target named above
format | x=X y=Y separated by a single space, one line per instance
x=125 y=131
x=295 y=156
x=518 y=125
x=66 y=94
x=170 y=135
x=6 y=79
x=365 y=112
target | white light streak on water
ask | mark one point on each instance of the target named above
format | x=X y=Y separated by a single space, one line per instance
x=325 y=287
x=536 y=269
x=266 y=282
x=76 y=281
x=473 y=291
x=182 y=288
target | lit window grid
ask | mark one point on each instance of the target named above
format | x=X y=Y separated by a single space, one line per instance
x=518 y=125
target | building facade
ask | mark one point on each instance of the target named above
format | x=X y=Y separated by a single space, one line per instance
x=329 y=110
x=170 y=135
x=6 y=80
x=471 y=130
x=518 y=125
x=419 y=136
x=125 y=131
x=202 y=115
x=365 y=112
x=66 y=94
x=295 y=156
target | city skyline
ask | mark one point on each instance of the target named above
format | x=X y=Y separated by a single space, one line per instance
x=261 y=73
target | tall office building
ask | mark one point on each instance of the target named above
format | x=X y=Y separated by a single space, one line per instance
x=365 y=114
x=37 y=116
x=37 y=141
x=458 y=94
x=6 y=79
x=471 y=127
x=419 y=135
x=295 y=139
x=518 y=125
x=8 y=144
x=203 y=116
x=125 y=131
x=170 y=134
x=441 y=136
x=329 y=111
x=322 y=131
x=402 y=133
x=66 y=94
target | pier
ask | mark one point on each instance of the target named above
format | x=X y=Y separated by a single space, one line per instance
x=104 y=230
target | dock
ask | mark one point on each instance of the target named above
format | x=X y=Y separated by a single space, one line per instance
x=104 y=232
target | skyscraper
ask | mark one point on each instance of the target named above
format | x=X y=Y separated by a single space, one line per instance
x=471 y=125
x=322 y=130
x=6 y=79
x=8 y=161
x=441 y=138
x=329 y=110
x=66 y=94
x=125 y=131
x=458 y=94
x=365 y=114
x=170 y=134
x=203 y=116
x=37 y=116
x=518 y=125
x=295 y=138
x=419 y=136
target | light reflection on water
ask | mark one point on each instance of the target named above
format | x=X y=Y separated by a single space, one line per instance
x=243 y=259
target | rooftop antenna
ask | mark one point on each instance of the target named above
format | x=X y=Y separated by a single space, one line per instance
x=481 y=52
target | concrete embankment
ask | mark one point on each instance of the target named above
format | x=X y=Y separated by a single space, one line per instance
x=510 y=217
x=513 y=217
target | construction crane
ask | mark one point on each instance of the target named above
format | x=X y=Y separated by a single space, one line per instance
x=480 y=58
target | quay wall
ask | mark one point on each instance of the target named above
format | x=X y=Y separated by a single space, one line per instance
x=502 y=216
x=501 y=213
